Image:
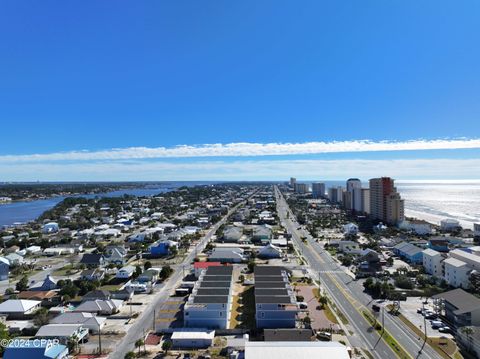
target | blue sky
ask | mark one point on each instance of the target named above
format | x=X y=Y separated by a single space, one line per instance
x=95 y=76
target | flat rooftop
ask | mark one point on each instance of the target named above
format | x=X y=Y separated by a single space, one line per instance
x=271 y=299
x=220 y=270
x=268 y=270
x=213 y=291
x=215 y=284
x=270 y=292
x=210 y=299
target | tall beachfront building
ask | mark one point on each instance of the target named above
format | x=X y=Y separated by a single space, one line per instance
x=386 y=204
x=318 y=190
x=353 y=195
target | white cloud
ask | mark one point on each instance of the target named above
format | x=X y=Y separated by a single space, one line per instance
x=243 y=149
x=244 y=170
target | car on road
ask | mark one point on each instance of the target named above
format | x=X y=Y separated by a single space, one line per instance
x=302 y=305
x=445 y=329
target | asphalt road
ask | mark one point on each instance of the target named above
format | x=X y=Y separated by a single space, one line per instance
x=348 y=295
x=144 y=323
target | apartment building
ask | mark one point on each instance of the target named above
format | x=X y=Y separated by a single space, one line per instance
x=432 y=262
x=209 y=305
x=275 y=303
x=318 y=190
x=386 y=203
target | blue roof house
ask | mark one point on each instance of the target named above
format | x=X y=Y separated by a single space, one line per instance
x=35 y=349
x=409 y=252
x=162 y=248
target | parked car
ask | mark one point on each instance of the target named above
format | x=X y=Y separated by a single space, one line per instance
x=436 y=324
x=445 y=329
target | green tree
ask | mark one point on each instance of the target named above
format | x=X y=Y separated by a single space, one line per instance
x=147 y=265
x=166 y=346
x=22 y=284
x=138 y=345
x=41 y=317
x=130 y=355
x=138 y=271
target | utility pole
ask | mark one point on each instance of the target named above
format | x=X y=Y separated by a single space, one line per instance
x=153 y=326
x=424 y=328
x=383 y=319
x=99 y=339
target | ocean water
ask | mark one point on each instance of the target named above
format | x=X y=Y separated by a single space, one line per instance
x=26 y=211
x=434 y=201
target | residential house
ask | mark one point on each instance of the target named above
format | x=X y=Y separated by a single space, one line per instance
x=261 y=234
x=4 y=268
x=270 y=251
x=14 y=259
x=63 y=332
x=151 y=275
x=97 y=294
x=459 y=307
x=93 y=274
x=93 y=260
x=162 y=247
x=350 y=229
x=227 y=255
x=87 y=320
x=275 y=303
x=125 y=272
x=349 y=247
x=199 y=267
x=192 y=338
x=416 y=226
x=100 y=307
x=457 y=273
x=232 y=234
x=209 y=305
x=49 y=283
x=432 y=262
x=439 y=244
x=116 y=255
x=51 y=227
x=449 y=225
x=19 y=308
x=48 y=298
x=409 y=252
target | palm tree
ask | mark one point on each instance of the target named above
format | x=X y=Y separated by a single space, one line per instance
x=138 y=344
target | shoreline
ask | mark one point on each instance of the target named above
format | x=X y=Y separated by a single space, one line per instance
x=434 y=219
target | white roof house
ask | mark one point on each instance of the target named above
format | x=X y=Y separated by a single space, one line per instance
x=192 y=338
x=51 y=227
x=270 y=251
x=62 y=331
x=100 y=306
x=350 y=228
x=19 y=306
x=297 y=350
x=86 y=320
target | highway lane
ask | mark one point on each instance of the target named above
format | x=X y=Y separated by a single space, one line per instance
x=144 y=323
x=349 y=295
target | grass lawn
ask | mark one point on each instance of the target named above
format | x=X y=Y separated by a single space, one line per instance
x=110 y=287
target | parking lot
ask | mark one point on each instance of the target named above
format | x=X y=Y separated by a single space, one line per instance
x=409 y=310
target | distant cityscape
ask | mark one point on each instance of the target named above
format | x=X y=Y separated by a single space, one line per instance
x=238 y=269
